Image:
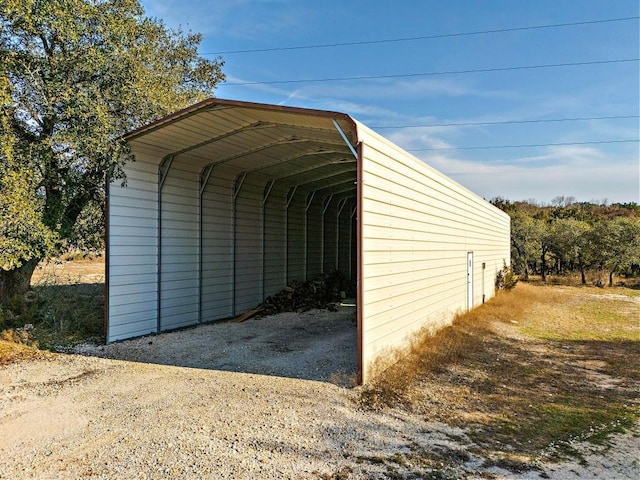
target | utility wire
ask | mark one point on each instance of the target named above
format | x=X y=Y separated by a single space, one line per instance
x=426 y=37
x=525 y=145
x=505 y=122
x=426 y=74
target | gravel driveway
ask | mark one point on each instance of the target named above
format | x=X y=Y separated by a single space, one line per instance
x=314 y=345
x=192 y=405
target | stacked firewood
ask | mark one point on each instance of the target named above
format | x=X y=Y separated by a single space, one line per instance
x=322 y=292
x=298 y=296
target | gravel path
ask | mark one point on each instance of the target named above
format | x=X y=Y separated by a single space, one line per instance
x=314 y=345
x=184 y=417
x=83 y=417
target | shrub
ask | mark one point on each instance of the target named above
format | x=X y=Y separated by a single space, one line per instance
x=505 y=278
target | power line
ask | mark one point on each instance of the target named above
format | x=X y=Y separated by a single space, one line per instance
x=425 y=37
x=505 y=122
x=483 y=147
x=426 y=74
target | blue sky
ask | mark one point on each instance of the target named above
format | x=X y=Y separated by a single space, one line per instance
x=586 y=171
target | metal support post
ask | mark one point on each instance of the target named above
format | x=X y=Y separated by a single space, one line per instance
x=163 y=171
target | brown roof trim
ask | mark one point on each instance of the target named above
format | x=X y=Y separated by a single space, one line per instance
x=215 y=102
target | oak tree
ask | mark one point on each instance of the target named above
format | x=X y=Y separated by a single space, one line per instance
x=77 y=75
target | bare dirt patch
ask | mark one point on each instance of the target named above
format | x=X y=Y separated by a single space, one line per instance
x=191 y=404
x=75 y=417
x=64 y=272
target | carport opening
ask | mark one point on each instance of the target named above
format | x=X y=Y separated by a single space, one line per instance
x=252 y=200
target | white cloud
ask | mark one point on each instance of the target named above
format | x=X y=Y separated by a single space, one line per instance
x=584 y=173
x=401 y=88
x=234 y=18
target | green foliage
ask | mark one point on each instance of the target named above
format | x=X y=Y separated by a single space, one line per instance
x=505 y=278
x=69 y=314
x=570 y=237
x=78 y=74
x=88 y=232
x=18 y=311
x=59 y=315
x=23 y=236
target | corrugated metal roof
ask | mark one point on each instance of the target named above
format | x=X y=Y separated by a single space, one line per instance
x=298 y=146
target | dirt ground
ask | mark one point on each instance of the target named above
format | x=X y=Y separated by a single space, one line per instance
x=264 y=399
x=75 y=416
x=314 y=345
x=58 y=272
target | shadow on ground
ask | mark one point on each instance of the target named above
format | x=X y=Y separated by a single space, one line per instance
x=313 y=345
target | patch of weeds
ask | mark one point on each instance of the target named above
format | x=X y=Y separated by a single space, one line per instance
x=19 y=310
x=342 y=379
x=506 y=279
x=55 y=314
x=376 y=460
x=437 y=463
x=587 y=317
x=12 y=351
x=55 y=317
x=495 y=373
x=75 y=255
x=70 y=314
x=598 y=436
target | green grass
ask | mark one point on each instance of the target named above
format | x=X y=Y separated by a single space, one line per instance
x=527 y=374
x=588 y=318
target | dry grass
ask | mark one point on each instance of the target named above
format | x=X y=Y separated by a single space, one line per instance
x=15 y=351
x=527 y=373
x=68 y=309
x=69 y=271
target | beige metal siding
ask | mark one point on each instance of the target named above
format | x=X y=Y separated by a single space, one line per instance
x=132 y=255
x=274 y=241
x=223 y=247
x=179 y=246
x=248 y=245
x=296 y=238
x=217 y=246
x=418 y=227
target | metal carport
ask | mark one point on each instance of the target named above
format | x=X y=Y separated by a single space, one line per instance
x=227 y=201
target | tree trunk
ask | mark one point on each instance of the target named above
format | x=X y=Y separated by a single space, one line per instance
x=611 y=279
x=543 y=268
x=17 y=281
x=582 y=267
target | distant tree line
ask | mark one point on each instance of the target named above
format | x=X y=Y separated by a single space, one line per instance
x=568 y=237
